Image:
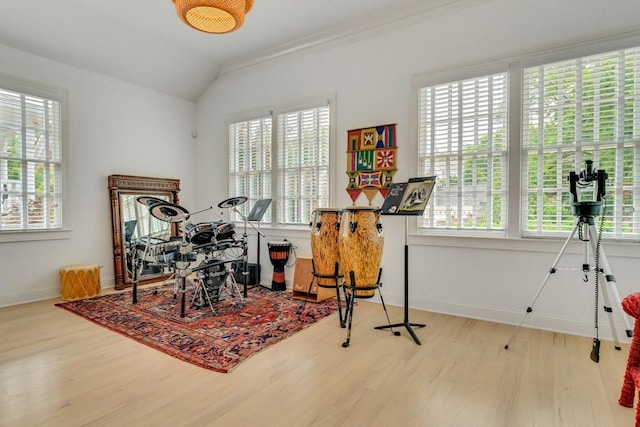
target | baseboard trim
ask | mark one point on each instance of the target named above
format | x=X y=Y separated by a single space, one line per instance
x=534 y=320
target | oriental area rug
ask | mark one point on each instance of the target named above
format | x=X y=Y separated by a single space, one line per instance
x=217 y=340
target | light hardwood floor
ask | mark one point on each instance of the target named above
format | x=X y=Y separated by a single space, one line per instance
x=57 y=369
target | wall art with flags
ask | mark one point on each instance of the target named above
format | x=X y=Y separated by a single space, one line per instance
x=371 y=161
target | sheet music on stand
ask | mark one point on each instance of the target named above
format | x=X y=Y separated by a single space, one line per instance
x=259 y=210
x=408 y=199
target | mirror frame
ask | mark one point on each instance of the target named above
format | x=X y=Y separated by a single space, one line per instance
x=140 y=185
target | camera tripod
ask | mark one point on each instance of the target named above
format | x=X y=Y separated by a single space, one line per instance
x=589 y=236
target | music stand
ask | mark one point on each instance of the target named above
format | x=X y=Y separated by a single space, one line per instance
x=407 y=199
x=256 y=214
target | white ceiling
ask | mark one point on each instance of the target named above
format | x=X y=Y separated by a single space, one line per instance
x=144 y=42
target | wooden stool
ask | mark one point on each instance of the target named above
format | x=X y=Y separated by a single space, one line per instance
x=631 y=305
x=79 y=281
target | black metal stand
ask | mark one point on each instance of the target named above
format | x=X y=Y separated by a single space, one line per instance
x=245 y=263
x=336 y=276
x=350 y=296
x=406 y=322
x=183 y=291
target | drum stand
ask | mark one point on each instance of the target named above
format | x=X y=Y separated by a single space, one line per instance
x=350 y=299
x=202 y=293
x=587 y=221
x=337 y=276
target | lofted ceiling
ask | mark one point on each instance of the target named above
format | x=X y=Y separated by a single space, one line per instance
x=144 y=42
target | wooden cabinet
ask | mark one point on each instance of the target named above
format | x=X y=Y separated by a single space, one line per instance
x=301 y=280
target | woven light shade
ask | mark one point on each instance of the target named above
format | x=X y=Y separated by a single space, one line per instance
x=213 y=16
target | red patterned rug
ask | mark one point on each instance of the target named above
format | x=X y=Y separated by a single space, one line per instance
x=217 y=341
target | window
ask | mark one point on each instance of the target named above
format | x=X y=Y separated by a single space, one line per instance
x=462 y=138
x=569 y=112
x=283 y=156
x=303 y=164
x=250 y=163
x=577 y=110
x=30 y=157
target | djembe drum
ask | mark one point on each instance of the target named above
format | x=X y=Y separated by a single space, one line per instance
x=360 y=240
x=325 y=226
x=79 y=281
x=279 y=255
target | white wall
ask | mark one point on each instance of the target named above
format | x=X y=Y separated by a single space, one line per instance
x=372 y=79
x=115 y=128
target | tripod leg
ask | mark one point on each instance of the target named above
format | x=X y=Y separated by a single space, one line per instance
x=551 y=271
x=384 y=307
x=306 y=296
x=337 y=277
x=611 y=284
x=235 y=290
x=350 y=299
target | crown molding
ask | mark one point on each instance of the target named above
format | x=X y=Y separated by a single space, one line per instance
x=371 y=25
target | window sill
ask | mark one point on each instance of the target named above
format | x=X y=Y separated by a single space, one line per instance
x=553 y=245
x=34 y=235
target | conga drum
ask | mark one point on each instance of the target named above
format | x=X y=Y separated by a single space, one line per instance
x=360 y=240
x=325 y=226
x=279 y=255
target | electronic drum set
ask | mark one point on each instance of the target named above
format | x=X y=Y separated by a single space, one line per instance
x=214 y=243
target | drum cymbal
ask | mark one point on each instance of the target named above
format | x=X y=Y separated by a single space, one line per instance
x=149 y=200
x=169 y=212
x=234 y=201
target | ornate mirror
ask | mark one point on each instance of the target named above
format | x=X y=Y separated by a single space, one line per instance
x=133 y=224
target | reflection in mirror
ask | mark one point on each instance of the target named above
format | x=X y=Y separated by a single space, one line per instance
x=133 y=225
x=138 y=225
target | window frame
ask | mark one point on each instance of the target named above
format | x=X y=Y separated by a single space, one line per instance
x=455 y=76
x=60 y=95
x=516 y=64
x=579 y=147
x=328 y=100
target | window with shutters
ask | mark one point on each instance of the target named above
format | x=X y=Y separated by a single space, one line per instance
x=283 y=156
x=576 y=110
x=250 y=163
x=303 y=164
x=462 y=138
x=586 y=108
x=31 y=161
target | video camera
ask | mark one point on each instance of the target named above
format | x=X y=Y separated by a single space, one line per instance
x=583 y=179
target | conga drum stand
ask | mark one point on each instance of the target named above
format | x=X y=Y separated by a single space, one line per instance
x=350 y=295
x=335 y=277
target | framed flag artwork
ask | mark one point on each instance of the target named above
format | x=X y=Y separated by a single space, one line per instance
x=371 y=161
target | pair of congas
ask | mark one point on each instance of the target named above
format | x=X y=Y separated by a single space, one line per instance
x=351 y=238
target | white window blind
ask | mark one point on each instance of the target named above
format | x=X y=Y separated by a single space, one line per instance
x=462 y=138
x=30 y=161
x=577 y=110
x=303 y=163
x=250 y=163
